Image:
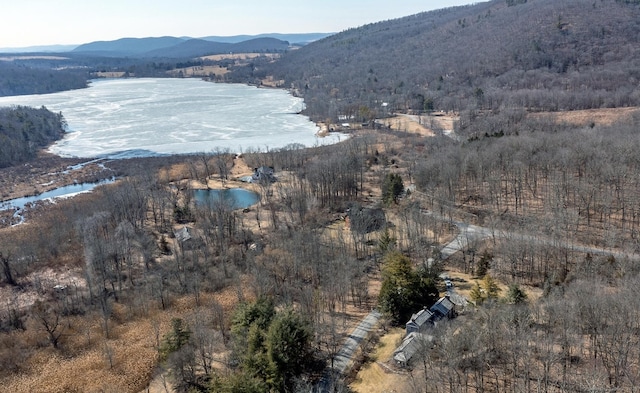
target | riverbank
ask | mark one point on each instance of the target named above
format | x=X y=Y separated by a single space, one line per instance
x=47 y=172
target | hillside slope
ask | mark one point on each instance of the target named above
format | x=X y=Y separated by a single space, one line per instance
x=197 y=48
x=173 y=47
x=542 y=54
x=128 y=46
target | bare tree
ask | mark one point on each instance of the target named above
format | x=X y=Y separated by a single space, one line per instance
x=49 y=318
x=5 y=262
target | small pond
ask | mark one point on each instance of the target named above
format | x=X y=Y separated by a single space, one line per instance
x=237 y=198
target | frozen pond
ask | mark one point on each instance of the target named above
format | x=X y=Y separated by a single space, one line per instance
x=119 y=118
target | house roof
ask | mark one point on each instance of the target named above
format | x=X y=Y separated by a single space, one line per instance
x=182 y=234
x=410 y=345
x=421 y=317
x=442 y=307
x=265 y=170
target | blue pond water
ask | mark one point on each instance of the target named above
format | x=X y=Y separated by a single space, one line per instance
x=237 y=198
x=60 y=192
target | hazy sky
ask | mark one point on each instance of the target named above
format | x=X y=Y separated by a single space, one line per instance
x=47 y=22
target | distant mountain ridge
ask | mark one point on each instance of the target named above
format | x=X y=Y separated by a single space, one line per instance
x=138 y=46
x=199 y=47
x=40 y=49
x=294 y=39
x=179 y=47
x=129 y=46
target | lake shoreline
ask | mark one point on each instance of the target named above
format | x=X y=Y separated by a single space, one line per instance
x=136 y=117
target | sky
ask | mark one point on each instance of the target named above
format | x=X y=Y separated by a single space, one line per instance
x=26 y=23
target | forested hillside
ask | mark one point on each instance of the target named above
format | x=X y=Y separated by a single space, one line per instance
x=24 y=131
x=18 y=79
x=539 y=54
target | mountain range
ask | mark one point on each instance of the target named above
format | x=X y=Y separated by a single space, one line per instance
x=175 y=47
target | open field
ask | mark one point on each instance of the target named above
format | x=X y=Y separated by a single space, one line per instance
x=380 y=376
x=590 y=117
x=195 y=71
x=111 y=74
x=239 y=56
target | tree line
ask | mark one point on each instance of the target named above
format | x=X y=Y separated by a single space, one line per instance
x=24 y=131
x=20 y=79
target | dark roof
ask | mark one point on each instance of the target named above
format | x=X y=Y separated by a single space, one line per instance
x=442 y=307
x=264 y=173
x=421 y=317
x=266 y=170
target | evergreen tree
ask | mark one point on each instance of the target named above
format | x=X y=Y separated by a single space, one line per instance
x=483 y=264
x=392 y=188
x=272 y=348
x=248 y=328
x=386 y=242
x=490 y=287
x=288 y=347
x=476 y=294
x=515 y=295
x=238 y=383
x=175 y=339
x=404 y=291
x=178 y=353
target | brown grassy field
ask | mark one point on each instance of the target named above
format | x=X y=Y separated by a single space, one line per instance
x=202 y=71
x=111 y=74
x=239 y=56
x=605 y=116
x=378 y=376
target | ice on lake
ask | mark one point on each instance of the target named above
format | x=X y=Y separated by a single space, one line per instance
x=120 y=118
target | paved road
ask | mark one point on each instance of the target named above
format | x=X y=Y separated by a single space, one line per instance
x=345 y=356
x=470 y=233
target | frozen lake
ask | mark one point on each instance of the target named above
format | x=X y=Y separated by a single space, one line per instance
x=119 y=118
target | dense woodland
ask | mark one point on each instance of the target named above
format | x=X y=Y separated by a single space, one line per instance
x=24 y=131
x=19 y=79
x=544 y=55
x=559 y=199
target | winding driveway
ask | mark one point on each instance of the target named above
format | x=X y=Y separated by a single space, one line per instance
x=470 y=233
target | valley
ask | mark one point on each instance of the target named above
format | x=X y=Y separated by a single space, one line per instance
x=484 y=154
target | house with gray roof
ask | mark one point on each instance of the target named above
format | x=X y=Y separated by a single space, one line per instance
x=419 y=321
x=416 y=338
x=263 y=174
x=443 y=308
x=411 y=344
